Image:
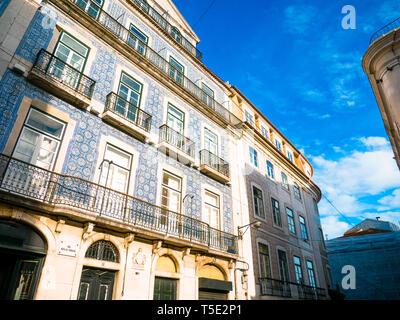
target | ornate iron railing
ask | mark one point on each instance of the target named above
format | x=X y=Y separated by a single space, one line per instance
x=171 y=30
x=287 y=289
x=177 y=140
x=68 y=192
x=62 y=72
x=215 y=162
x=123 y=34
x=128 y=111
x=385 y=29
x=274 y=287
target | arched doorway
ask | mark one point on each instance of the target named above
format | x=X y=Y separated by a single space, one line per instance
x=98 y=284
x=213 y=284
x=165 y=288
x=22 y=253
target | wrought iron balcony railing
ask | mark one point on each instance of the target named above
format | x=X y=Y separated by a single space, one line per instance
x=128 y=111
x=177 y=140
x=385 y=29
x=215 y=162
x=127 y=37
x=50 y=65
x=275 y=287
x=67 y=192
x=171 y=30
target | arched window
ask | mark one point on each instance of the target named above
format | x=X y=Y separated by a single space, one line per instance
x=166 y=264
x=211 y=271
x=176 y=34
x=270 y=170
x=103 y=250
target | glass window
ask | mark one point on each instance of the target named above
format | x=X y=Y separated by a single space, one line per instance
x=296 y=188
x=270 y=170
x=298 y=270
x=285 y=183
x=210 y=141
x=115 y=169
x=253 y=157
x=248 y=117
x=276 y=212
x=92 y=7
x=207 y=95
x=176 y=70
x=130 y=90
x=290 y=156
x=175 y=33
x=283 y=266
x=175 y=119
x=171 y=192
x=212 y=211
x=303 y=228
x=39 y=141
x=265 y=266
x=258 y=202
x=265 y=132
x=311 y=274
x=137 y=39
x=278 y=145
x=292 y=227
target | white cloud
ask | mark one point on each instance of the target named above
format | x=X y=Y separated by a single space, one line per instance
x=300 y=18
x=392 y=201
x=374 y=141
x=333 y=227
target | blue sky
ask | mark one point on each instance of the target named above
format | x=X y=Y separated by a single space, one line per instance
x=297 y=64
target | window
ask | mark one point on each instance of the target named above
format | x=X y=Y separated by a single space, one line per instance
x=137 y=39
x=210 y=141
x=285 y=183
x=289 y=213
x=103 y=250
x=253 y=157
x=311 y=274
x=175 y=33
x=249 y=117
x=207 y=95
x=171 y=192
x=265 y=132
x=297 y=193
x=278 y=145
x=298 y=270
x=303 y=228
x=290 y=156
x=115 y=169
x=130 y=91
x=175 y=119
x=265 y=267
x=92 y=7
x=270 y=170
x=40 y=139
x=283 y=266
x=276 y=212
x=258 y=202
x=212 y=210
x=71 y=52
x=176 y=70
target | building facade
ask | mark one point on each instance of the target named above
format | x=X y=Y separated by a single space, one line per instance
x=381 y=64
x=371 y=248
x=120 y=158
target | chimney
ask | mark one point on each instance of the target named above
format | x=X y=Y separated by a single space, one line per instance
x=377 y=218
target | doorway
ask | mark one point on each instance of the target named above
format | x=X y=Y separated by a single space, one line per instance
x=96 y=284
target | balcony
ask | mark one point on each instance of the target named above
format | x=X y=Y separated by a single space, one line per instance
x=61 y=79
x=176 y=145
x=184 y=43
x=285 y=289
x=214 y=167
x=48 y=192
x=395 y=24
x=126 y=116
x=110 y=30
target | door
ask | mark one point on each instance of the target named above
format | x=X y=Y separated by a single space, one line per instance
x=212 y=295
x=165 y=288
x=130 y=90
x=96 y=284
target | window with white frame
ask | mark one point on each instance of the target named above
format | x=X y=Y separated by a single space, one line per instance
x=137 y=39
x=210 y=141
x=296 y=189
x=265 y=132
x=212 y=210
x=290 y=156
x=270 y=170
x=278 y=145
x=176 y=70
x=249 y=117
x=276 y=212
x=115 y=169
x=290 y=217
x=303 y=228
x=171 y=192
x=207 y=95
x=258 y=202
x=39 y=140
x=285 y=183
x=253 y=157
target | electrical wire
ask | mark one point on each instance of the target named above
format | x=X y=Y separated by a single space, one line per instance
x=205 y=12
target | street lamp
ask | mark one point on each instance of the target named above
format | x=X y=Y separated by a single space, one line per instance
x=257 y=224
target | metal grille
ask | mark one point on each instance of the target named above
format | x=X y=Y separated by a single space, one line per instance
x=103 y=250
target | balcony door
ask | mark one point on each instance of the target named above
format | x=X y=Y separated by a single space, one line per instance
x=137 y=39
x=212 y=210
x=130 y=90
x=171 y=197
x=69 y=52
x=92 y=7
x=37 y=147
x=176 y=122
x=176 y=70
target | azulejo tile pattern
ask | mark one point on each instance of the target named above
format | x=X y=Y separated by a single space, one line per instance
x=83 y=148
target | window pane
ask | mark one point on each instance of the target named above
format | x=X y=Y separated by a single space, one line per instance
x=118 y=157
x=130 y=82
x=138 y=33
x=207 y=90
x=74 y=44
x=45 y=124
